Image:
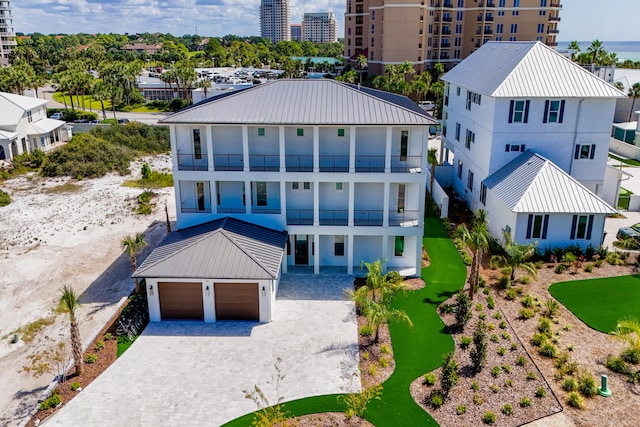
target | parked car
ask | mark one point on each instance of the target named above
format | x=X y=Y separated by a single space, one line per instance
x=57 y=116
x=629 y=232
x=81 y=121
x=427 y=105
x=94 y=122
x=123 y=121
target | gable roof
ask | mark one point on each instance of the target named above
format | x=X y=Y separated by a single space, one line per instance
x=533 y=184
x=227 y=248
x=23 y=102
x=527 y=69
x=14 y=106
x=302 y=102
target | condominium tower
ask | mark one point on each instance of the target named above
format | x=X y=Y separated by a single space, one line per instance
x=320 y=27
x=7 y=34
x=274 y=20
x=427 y=32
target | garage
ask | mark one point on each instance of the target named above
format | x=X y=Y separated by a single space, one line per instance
x=180 y=300
x=237 y=301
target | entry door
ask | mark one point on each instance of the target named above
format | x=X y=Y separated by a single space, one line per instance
x=302 y=249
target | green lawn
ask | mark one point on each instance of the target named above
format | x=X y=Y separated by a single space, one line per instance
x=600 y=303
x=89 y=102
x=417 y=351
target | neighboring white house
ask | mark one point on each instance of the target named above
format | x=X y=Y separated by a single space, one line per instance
x=509 y=98
x=24 y=126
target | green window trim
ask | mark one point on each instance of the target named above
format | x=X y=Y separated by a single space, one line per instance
x=300 y=132
x=340 y=132
x=260 y=131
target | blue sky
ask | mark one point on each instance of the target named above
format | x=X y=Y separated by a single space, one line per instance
x=581 y=19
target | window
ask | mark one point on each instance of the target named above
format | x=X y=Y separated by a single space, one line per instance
x=42 y=141
x=306 y=185
x=516 y=3
x=402 y=188
x=339 y=186
x=457 y=131
x=261 y=194
x=519 y=112
x=29 y=118
x=404 y=145
x=470 y=181
x=515 y=147
x=537 y=226
x=460 y=3
x=499 y=28
x=468 y=105
x=458 y=91
x=300 y=132
x=340 y=132
x=197 y=145
x=470 y=138
x=581 y=227
x=585 y=151
x=514 y=28
x=200 y=195
x=540 y=28
x=483 y=194
x=553 y=111
x=260 y=131
x=398 y=246
x=459 y=16
x=295 y=185
x=459 y=169
x=338 y=245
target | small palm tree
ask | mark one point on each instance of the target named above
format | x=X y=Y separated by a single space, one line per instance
x=379 y=313
x=634 y=93
x=361 y=64
x=133 y=245
x=70 y=302
x=432 y=158
x=204 y=84
x=517 y=257
x=477 y=240
x=628 y=330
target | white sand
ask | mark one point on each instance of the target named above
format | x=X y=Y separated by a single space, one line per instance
x=48 y=240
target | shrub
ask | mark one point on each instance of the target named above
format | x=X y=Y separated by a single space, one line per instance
x=366 y=331
x=506 y=368
x=503 y=325
x=617 y=364
x=598 y=263
x=449 y=374
x=540 y=392
x=521 y=361
x=373 y=371
x=505 y=336
x=511 y=294
x=570 y=384
x=551 y=308
x=497 y=316
x=494 y=338
x=437 y=400
x=384 y=362
x=495 y=371
x=477 y=399
x=465 y=342
x=491 y=326
x=560 y=268
x=475 y=386
x=525 y=402
x=489 y=418
x=485 y=290
x=495 y=388
x=365 y=355
x=479 y=307
x=429 y=378
x=145 y=170
x=99 y=345
x=631 y=355
x=461 y=409
x=538 y=339
x=527 y=301
x=588 y=268
x=491 y=304
x=548 y=350
x=4 y=198
x=502 y=351
x=478 y=353
x=525 y=280
x=531 y=376
x=575 y=400
x=51 y=402
x=108 y=336
x=385 y=349
x=544 y=326
x=91 y=358
x=514 y=346
x=587 y=385
x=482 y=316
x=75 y=386
x=615 y=258
x=463 y=309
x=445 y=308
x=507 y=409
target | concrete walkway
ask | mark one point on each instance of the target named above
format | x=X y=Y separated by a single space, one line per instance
x=194 y=374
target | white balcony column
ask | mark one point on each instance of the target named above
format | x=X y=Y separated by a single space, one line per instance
x=213 y=188
x=209 y=141
x=352 y=196
x=352 y=149
x=283 y=201
x=245 y=148
x=248 y=196
x=350 y=254
x=178 y=191
x=418 y=255
x=316 y=149
x=283 y=156
x=385 y=204
x=174 y=151
x=316 y=254
x=316 y=203
x=443 y=152
x=387 y=153
x=385 y=252
x=423 y=195
x=285 y=259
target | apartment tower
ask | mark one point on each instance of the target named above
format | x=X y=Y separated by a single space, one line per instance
x=7 y=34
x=274 y=20
x=320 y=27
x=296 y=32
x=427 y=32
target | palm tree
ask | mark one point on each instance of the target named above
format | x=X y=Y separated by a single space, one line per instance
x=595 y=50
x=517 y=257
x=204 y=84
x=133 y=245
x=628 y=330
x=361 y=64
x=70 y=302
x=380 y=313
x=477 y=240
x=432 y=158
x=101 y=92
x=574 y=48
x=634 y=93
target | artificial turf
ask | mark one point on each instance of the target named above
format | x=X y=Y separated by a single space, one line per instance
x=600 y=303
x=417 y=350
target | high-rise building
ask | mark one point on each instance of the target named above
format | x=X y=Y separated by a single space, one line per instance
x=296 y=32
x=320 y=27
x=274 y=20
x=427 y=32
x=7 y=34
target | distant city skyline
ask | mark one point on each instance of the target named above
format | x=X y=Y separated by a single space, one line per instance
x=581 y=19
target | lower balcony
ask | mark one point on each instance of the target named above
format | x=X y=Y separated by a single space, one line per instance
x=265 y=210
x=232 y=210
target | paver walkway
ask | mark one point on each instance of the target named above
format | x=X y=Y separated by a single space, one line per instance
x=193 y=374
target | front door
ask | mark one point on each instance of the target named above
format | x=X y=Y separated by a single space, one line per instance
x=302 y=249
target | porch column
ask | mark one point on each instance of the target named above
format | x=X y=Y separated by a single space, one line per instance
x=214 y=196
x=385 y=204
x=174 y=151
x=248 y=196
x=209 y=141
x=385 y=251
x=316 y=149
x=418 y=254
x=387 y=153
x=316 y=203
x=316 y=253
x=283 y=202
x=283 y=157
x=350 y=254
x=352 y=149
x=422 y=189
x=352 y=191
x=245 y=148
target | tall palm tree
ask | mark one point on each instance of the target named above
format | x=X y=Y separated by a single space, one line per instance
x=70 y=302
x=634 y=93
x=361 y=64
x=133 y=245
x=432 y=158
x=204 y=84
x=595 y=49
x=574 y=47
x=477 y=239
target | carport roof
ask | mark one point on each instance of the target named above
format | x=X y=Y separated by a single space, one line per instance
x=227 y=248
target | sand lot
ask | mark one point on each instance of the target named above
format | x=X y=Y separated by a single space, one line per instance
x=49 y=239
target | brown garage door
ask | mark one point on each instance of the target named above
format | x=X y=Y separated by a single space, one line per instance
x=237 y=301
x=180 y=300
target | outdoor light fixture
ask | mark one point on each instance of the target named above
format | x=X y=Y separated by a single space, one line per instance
x=264 y=291
x=151 y=290
x=206 y=291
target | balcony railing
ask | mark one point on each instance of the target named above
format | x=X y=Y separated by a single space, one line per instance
x=554 y=18
x=553 y=31
x=299 y=216
x=447 y=19
x=404 y=219
x=446 y=32
x=228 y=162
x=192 y=162
x=334 y=217
x=367 y=218
x=445 y=45
x=232 y=210
x=264 y=163
x=369 y=163
x=299 y=163
x=194 y=209
x=334 y=163
x=556 y=4
x=552 y=44
x=265 y=210
x=404 y=164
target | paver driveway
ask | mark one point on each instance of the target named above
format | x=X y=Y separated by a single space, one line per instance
x=191 y=373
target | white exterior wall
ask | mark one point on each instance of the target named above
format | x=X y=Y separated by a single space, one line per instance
x=559 y=231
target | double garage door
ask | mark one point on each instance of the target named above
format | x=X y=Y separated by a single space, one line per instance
x=233 y=301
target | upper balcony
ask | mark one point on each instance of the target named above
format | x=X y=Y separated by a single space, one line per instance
x=193 y=162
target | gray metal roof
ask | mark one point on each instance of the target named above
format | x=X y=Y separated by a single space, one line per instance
x=303 y=102
x=527 y=69
x=532 y=184
x=227 y=248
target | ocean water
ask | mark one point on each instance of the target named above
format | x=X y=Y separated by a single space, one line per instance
x=625 y=50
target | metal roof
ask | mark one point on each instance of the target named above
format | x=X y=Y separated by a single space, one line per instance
x=23 y=102
x=527 y=69
x=44 y=126
x=227 y=248
x=303 y=102
x=533 y=184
